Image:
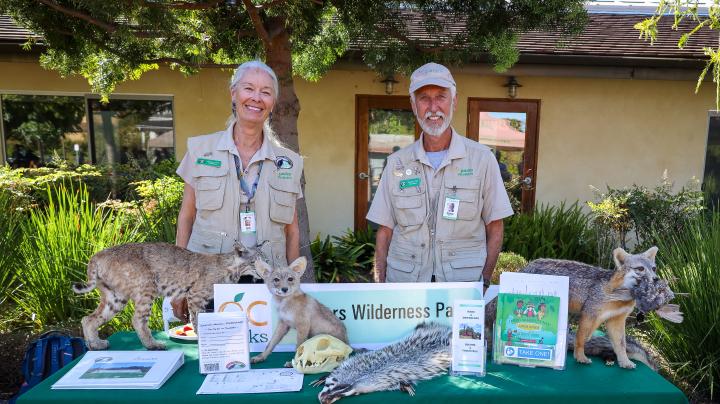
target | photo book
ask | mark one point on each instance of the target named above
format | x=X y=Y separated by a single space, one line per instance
x=531 y=322
x=121 y=370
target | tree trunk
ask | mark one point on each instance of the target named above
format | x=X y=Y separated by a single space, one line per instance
x=284 y=123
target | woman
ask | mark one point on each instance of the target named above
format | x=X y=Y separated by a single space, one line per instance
x=241 y=185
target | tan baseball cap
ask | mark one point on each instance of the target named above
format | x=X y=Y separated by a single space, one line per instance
x=431 y=74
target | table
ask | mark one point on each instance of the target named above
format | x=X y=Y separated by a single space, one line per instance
x=577 y=384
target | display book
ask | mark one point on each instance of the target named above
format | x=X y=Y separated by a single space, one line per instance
x=531 y=323
x=121 y=370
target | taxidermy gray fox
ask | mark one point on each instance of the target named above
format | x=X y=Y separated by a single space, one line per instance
x=296 y=309
x=603 y=296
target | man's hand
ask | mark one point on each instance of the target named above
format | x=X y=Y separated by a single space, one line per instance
x=180 y=309
x=494 y=237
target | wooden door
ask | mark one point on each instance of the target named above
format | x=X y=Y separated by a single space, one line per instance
x=384 y=124
x=510 y=128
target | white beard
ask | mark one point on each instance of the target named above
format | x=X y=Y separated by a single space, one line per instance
x=436 y=130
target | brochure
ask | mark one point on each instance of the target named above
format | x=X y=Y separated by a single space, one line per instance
x=531 y=321
x=223 y=342
x=121 y=370
x=468 y=338
x=253 y=381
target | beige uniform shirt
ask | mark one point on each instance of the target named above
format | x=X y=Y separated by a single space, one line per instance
x=209 y=167
x=410 y=200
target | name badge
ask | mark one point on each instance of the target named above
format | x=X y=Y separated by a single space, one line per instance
x=411 y=182
x=208 y=162
x=452 y=205
x=247 y=222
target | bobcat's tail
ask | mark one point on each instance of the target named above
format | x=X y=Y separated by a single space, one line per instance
x=601 y=346
x=92 y=277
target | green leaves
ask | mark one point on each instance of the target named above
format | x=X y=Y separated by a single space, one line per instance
x=682 y=10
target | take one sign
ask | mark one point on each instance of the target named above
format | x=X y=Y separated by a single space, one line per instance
x=375 y=314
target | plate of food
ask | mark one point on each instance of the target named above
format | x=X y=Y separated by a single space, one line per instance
x=184 y=332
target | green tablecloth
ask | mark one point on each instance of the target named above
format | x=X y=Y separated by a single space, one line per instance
x=577 y=384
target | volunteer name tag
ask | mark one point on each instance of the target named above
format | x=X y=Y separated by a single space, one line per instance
x=247 y=222
x=450 y=211
x=208 y=162
x=410 y=182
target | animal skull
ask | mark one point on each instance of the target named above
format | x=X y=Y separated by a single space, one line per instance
x=321 y=353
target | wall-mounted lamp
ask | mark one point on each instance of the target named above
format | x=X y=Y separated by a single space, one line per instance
x=512 y=86
x=390 y=82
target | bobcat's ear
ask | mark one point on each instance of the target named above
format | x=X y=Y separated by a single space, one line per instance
x=650 y=253
x=262 y=268
x=619 y=256
x=298 y=266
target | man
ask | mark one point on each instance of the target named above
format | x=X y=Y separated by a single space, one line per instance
x=441 y=200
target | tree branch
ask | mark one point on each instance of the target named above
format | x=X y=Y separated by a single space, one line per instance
x=77 y=14
x=257 y=22
x=185 y=5
x=189 y=64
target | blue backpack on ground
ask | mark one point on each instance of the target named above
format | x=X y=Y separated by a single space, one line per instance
x=46 y=355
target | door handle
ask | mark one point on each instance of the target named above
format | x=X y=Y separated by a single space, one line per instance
x=526 y=183
x=363 y=176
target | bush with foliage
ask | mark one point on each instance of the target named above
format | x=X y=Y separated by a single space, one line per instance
x=551 y=232
x=347 y=258
x=507 y=262
x=690 y=260
x=10 y=232
x=642 y=212
x=57 y=244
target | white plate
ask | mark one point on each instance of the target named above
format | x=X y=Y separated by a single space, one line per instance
x=172 y=334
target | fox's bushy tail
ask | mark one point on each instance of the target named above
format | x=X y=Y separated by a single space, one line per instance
x=602 y=347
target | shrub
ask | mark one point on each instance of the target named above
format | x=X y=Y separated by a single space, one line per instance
x=690 y=260
x=58 y=242
x=551 y=232
x=10 y=224
x=507 y=262
x=348 y=258
x=642 y=212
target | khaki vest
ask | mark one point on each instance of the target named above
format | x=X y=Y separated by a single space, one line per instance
x=454 y=249
x=217 y=200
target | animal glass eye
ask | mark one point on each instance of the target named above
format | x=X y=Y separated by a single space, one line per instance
x=290 y=279
x=276 y=280
x=640 y=269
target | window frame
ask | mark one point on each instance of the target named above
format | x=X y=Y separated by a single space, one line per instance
x=87 y=97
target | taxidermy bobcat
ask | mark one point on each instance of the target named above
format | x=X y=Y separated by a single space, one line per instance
x=296 y=309
x=141 y=272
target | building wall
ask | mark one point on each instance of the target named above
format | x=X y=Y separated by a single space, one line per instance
x=593 y=131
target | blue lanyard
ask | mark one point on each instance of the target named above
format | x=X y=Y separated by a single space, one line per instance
x=250 y=192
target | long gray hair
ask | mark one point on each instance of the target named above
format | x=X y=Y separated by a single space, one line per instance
x=237 y=75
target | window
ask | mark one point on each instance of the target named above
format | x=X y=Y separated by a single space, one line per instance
x=711 y=178
x=36 y=128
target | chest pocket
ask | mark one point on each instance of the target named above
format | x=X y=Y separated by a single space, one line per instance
x=283 y=197
x=210 y=187
x=467 y=191
x=409 y=203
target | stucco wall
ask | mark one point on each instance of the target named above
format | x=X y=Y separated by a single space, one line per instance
x=593 y=131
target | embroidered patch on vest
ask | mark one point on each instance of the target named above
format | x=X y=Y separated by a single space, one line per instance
x=285 y=176
x=465 y=172
x=411 y=182
x=208 y=162
x=283 y=162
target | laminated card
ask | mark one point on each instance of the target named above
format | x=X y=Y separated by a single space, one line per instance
x=468 y=338
x=531 y=322
x=223 y=342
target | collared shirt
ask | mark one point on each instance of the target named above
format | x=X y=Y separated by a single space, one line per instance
x=250 y=173
x=496 y=203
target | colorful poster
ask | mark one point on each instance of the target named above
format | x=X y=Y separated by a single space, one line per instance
x=531 y=321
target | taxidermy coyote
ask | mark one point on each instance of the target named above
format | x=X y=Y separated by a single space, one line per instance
x=296 y=309
x=604 y=296
x=141 y=272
